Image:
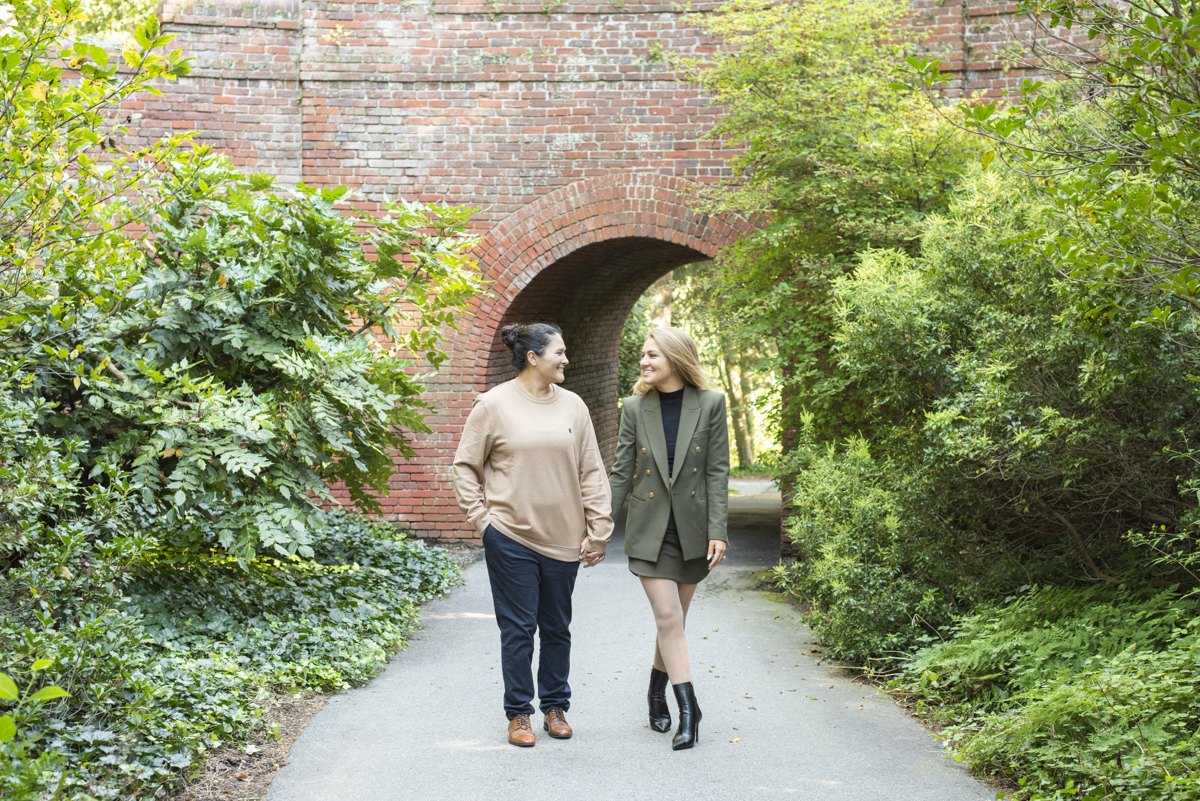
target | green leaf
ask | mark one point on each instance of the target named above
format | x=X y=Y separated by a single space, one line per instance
x=8 y=688
x=8 y=729
x=986 y=158
x=49 y=693
x=982 y=113
x=141 y=36
x=42 y=664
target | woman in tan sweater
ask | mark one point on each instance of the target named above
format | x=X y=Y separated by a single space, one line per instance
x=529 y=477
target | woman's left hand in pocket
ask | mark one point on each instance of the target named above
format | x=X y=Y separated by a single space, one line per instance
x=716 y=552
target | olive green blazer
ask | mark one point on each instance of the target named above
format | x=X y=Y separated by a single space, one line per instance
x=700 y=492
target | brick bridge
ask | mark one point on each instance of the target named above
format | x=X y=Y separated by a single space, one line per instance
x=561 y=122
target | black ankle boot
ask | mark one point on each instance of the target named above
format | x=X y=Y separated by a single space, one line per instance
x=660 y=713
x=689 y=717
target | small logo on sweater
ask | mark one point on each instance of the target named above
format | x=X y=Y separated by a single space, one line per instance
x=568 y=431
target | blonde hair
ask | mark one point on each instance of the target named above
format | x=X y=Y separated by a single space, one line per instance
x=683 y=356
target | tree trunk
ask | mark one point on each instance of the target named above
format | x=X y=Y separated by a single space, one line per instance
x=745 y=451
x=747 y=405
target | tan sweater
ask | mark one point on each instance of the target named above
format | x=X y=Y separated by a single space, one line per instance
x=531 y=467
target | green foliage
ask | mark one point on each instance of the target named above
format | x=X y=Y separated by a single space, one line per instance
x=9 y=691
x=1013 y=444
x=64 y=181
x=26 y=772
x=65 y=556
x=882 y=571
x=996 y=655
x=323 y=624
x=1026 y=380
x=1114 y=146
x=247 y=352
x=839 y=155
x=1092 y=690
x=981 y=365
x=1057 y=440
x=175 y=401
x=113 y=18
x=247 y=374
x=633 y=336
x=236 y=373
x=165 y=653
x=177 y=663
x=833 y=159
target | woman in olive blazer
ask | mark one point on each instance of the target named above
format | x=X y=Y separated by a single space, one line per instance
x=673 y=453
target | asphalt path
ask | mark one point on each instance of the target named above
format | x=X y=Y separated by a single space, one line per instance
x=778 y=723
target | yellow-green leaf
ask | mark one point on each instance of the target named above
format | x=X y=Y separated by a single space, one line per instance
x=49 y=693
x=8 y=688
x=987 y=157
x=8 y=729
x=42 y=664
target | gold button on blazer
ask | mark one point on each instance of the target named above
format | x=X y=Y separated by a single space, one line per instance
x=699 y=494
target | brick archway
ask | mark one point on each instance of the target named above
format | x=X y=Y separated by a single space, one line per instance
x=563 y=124
x=580 y=257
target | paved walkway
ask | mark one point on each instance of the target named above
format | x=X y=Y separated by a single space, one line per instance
x=777 y=723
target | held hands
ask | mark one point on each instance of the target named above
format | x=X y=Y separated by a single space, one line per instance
x=589 y=558
x=716 y=552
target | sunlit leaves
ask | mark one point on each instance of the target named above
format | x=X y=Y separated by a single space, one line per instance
x=831 y=157
x=67 y=183
x=241 y=352
x=1114 y=143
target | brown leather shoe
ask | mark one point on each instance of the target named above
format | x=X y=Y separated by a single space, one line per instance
x=556 y=724
x=520 y=732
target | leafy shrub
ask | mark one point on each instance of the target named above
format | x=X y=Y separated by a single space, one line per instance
x=247 y=348
x=236 y=375
x=164 y=398
x=1124 y=729
x=64 y=557
x=175 y=665
x=1092 y=691
x=881 y=572
x=1048 y=633
x=1012 y=443
x=322 y=625
x=91 y=603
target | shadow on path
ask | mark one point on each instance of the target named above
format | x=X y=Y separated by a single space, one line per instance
x=776 y=724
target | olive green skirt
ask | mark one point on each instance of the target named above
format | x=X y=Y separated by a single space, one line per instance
x=671 y=564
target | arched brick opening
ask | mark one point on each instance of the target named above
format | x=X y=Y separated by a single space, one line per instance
x=589 y=294
x=578 y=256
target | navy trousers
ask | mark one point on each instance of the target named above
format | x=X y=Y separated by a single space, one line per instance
x=531 y=593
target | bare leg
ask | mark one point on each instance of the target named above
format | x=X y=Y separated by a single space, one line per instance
x=669 y=600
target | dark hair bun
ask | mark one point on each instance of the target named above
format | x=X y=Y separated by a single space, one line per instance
x=521 y=339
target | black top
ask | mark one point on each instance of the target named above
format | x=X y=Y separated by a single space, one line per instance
x=671 y=404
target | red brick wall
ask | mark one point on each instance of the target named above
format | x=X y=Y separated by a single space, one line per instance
x=562 y=125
